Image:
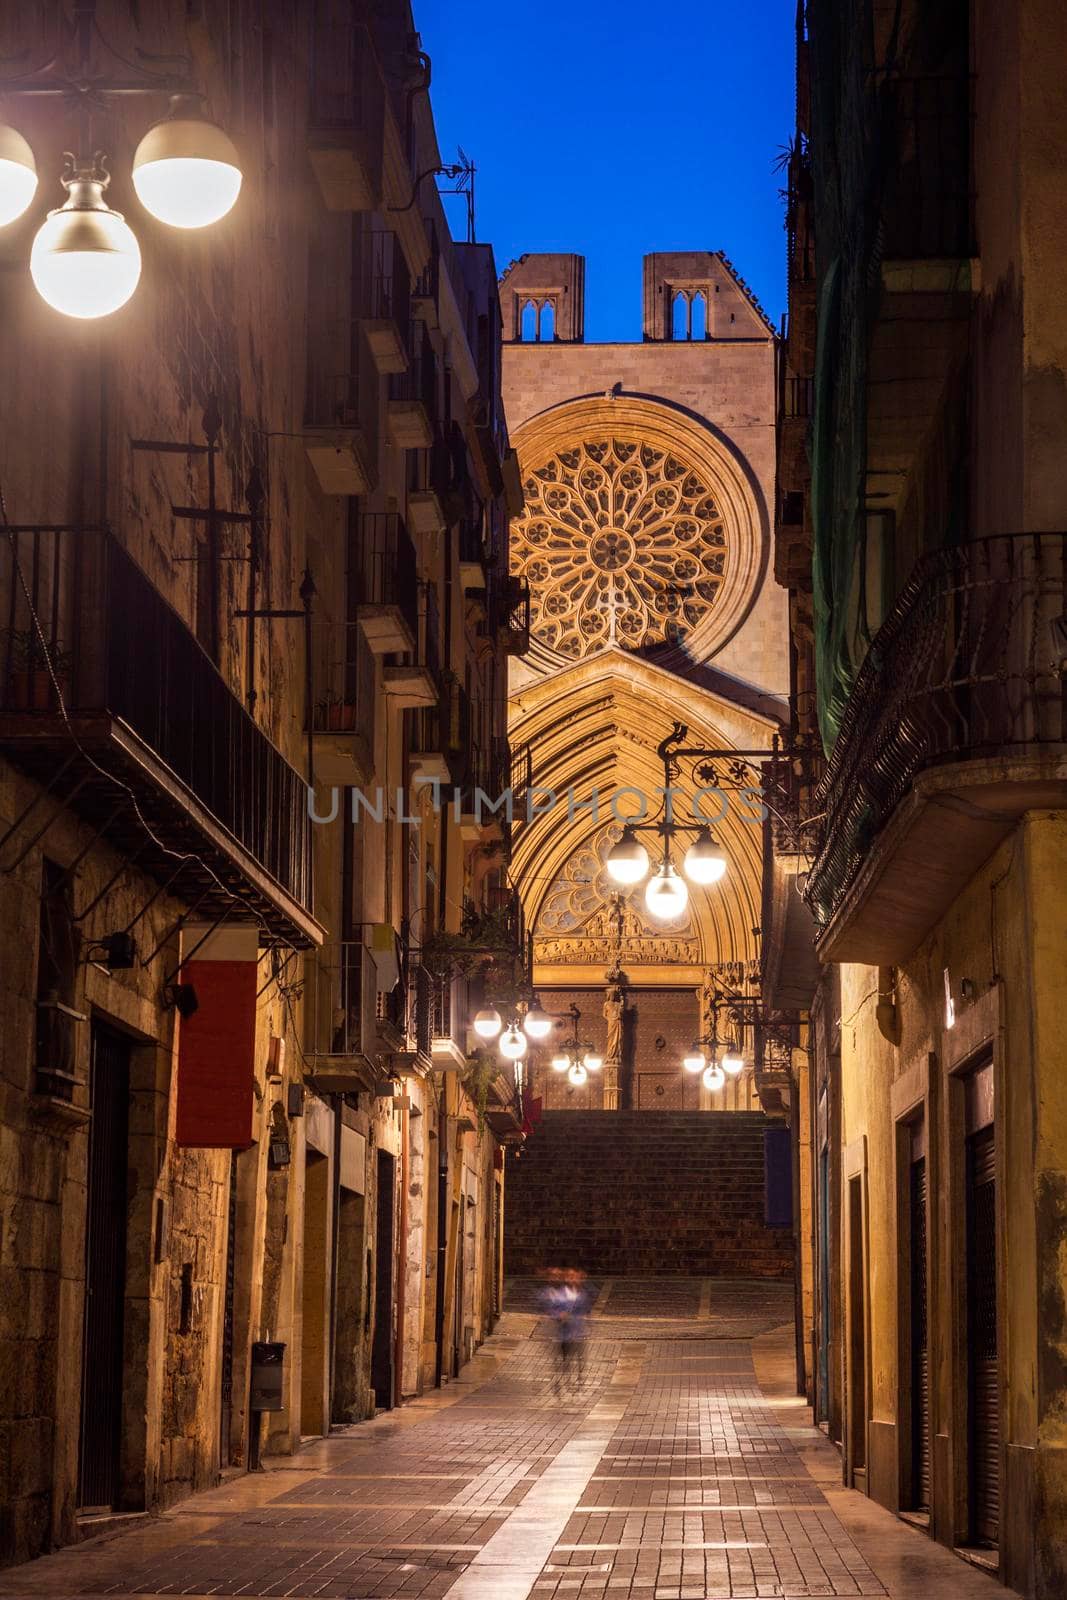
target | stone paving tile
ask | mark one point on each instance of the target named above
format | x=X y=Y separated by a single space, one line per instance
x=664 y=1473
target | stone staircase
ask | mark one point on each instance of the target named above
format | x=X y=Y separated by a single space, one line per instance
x=638 y=1192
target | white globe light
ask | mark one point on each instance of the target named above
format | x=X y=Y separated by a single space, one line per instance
x=733 y=1061
x=18 y=175
x=537 y=1023
x=488 y=1022
x=666 y=895
x=85 y=261
x=513 y=1044
x=627 y=861
x=705 y=861
x=560 y=1063
x=592 y=1062
x=714 y=1077
x=693 y=1061
x=185 y=172
x=577 y=1074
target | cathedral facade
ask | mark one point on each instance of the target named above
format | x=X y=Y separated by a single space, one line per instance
x=648 y=481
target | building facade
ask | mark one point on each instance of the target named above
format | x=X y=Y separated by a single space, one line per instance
x=919 y=519
x=255 y=622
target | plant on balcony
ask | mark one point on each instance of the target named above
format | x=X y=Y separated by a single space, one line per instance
x=478 y=1077
x=485 y=939
x=29 y=679
x=334 y=715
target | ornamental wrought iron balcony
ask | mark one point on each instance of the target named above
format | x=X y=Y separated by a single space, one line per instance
x=343 y=703
x=149 y=742
x=956 y=725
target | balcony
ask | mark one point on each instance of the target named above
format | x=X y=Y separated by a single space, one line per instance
x=412 y=410
x=336 y=438
x=475 y=557
x=354 y=1013
x=426 y=290
x=417 y=683
x=449 y=1022
x=510 y=618
x=956 y=725
x=346 y=136
x=154 y=749
x=343 y=709
x=386 y=325
x=388 y=608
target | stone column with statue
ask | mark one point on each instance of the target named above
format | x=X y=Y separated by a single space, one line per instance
x=614 y=1017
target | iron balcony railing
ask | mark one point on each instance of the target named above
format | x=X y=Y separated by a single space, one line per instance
x=346 y=1014
x=118 y=649
x=449 y=1009
x=968 y=664
x=419 y=382
x=335 y=393
x=388 y=565
x=390 y=298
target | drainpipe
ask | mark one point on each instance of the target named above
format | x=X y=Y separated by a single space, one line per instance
x=442 y=1234
x=401 y=1265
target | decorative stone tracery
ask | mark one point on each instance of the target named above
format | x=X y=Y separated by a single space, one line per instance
x=623 y=543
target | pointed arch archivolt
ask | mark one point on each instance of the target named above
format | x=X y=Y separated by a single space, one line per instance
x=594 y=730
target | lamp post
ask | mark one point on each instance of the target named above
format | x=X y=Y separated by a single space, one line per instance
x=720 y=1054
x=704 y=861
x=85 y=261
x=574 y=1056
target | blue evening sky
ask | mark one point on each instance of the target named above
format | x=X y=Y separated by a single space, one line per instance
x=614 y=130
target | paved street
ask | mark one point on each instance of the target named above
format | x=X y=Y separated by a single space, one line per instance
x=678 y=1467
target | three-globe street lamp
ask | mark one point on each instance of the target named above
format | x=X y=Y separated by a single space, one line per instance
x=703 y=863
x=575 y=1057
x=85 y=260
x=529 y=1023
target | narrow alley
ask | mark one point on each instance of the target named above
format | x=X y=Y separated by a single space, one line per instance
x=679 y=1466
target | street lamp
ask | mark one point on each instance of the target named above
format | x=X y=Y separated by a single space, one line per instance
x=186 y=172
x=85 y=260
x=513 y=1044
x=18 y=175
x=487 y=1022
x=666 y=894
x=575 y=1057
x=537 y=1023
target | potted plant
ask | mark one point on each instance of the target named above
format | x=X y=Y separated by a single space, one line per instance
x=30 y=685
x=334 y=715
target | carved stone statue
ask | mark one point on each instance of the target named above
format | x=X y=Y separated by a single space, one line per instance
x=614 y=1015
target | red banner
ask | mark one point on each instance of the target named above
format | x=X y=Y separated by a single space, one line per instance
x=216 y=1056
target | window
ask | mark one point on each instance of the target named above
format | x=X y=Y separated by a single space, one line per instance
x=698 y=316
x=680 y=316
x=546 y=331
x=529 y=325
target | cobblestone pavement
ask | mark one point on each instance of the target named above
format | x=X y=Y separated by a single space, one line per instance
x=676 y=1467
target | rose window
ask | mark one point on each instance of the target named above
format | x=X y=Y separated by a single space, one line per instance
x=621 y=543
